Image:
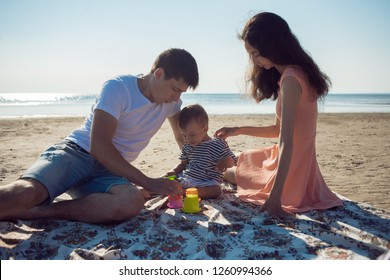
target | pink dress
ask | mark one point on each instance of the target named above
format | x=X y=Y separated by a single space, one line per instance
x=304 y=188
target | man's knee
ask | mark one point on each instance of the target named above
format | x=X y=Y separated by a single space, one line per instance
x=129 y=202
x=20 y=196
x=30 y=191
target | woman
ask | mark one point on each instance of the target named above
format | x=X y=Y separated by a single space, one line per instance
x=284 y=178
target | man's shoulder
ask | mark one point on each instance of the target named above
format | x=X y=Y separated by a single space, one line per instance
x=121 y=80
x=126 y=78
x=123 y=87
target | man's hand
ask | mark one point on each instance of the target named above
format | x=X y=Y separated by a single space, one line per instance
x=165 y=186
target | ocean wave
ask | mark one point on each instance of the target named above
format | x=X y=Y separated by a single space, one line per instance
x=43 y=98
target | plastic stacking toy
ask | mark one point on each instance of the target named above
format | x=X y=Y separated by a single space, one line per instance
x=174 y=201
x=172 y=177
x=192 y=191
x=191 y=201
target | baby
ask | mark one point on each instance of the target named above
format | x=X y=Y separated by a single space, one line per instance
x=203 y=159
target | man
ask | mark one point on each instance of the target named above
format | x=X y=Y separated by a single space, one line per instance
x=95 y=160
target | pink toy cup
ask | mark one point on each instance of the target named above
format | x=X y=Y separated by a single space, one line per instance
x=175 y=201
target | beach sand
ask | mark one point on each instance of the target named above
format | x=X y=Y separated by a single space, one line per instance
x=353 y=149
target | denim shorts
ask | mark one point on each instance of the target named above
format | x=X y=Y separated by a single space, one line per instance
x=66 y=166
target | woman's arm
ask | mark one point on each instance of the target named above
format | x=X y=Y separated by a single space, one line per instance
x=290 y=94
x=271 y=131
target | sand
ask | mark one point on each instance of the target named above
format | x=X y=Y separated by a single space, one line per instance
x=353 y=149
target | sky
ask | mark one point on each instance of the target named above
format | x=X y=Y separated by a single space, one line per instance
x=74 y=46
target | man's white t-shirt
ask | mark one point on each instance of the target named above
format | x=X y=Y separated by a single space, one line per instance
x=138 y=118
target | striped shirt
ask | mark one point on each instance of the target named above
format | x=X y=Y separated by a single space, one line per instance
x=202 y=159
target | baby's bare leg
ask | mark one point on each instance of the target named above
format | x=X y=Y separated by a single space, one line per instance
x=209 y=191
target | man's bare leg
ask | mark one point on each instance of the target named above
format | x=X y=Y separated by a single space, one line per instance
x=21 y=195
x=120 y=203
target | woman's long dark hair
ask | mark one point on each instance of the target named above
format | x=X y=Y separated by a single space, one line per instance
x=273 y=39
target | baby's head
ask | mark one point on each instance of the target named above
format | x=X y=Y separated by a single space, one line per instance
x=194 y=124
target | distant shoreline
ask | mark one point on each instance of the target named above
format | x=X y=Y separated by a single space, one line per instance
x=67 y=105
x=214 y=115
x=228 y=115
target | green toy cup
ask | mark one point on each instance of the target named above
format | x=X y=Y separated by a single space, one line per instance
x=191 y=204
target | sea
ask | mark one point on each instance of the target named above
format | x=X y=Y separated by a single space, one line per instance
x=29 y=105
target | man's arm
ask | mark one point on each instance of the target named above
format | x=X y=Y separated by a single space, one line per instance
x=174 y=122
x=103 y=130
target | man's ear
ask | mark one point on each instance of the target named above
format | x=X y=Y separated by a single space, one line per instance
x=159 y=73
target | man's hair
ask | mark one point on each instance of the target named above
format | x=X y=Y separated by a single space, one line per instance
x=177 y=64
x=193 y=112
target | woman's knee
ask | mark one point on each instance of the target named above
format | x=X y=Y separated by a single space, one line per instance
x=230 y=175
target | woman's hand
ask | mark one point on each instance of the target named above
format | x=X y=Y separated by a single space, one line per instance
x=226 y=132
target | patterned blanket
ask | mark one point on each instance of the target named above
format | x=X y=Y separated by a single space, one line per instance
x=226 y=228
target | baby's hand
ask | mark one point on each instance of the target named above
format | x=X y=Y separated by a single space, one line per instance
x=169 y=173
x=224 y=163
